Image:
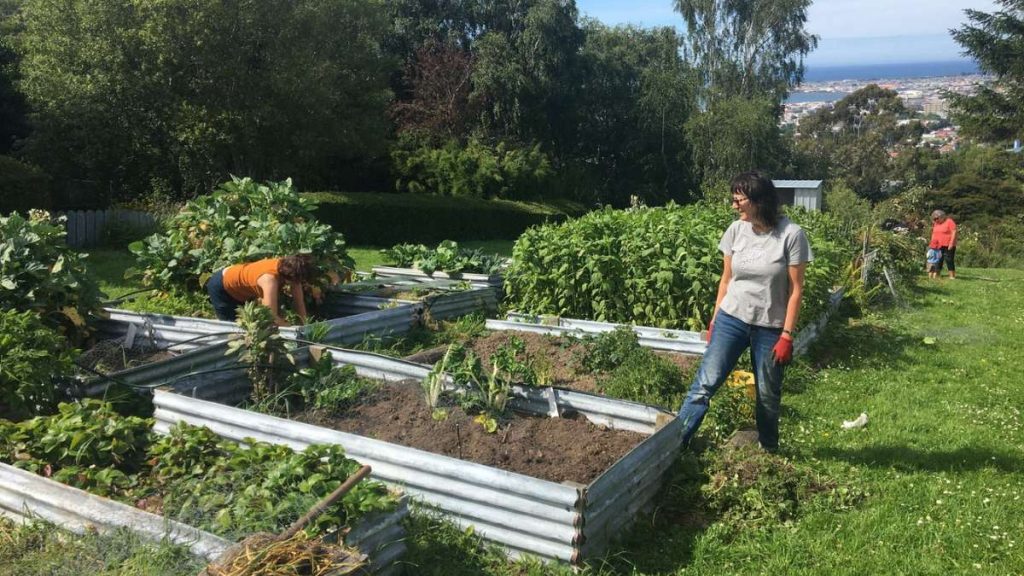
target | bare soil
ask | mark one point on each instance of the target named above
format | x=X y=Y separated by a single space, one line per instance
x=560 y=360
x=556 y=449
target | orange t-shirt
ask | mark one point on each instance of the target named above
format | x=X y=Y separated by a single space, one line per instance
x=942 y=233
x=240 y=279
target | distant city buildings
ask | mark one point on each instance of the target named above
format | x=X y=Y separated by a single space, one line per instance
x=922 y=96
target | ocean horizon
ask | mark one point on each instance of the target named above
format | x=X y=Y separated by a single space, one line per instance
x=890 y=71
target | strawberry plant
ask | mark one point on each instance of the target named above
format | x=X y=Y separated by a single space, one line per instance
x=31 y=356
x=41 y=273
x=241 y=221
x=191 y=474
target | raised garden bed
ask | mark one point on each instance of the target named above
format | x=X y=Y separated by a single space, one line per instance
x=174 y=476
x=441 y=299
x=566 y=520
x=474 y=280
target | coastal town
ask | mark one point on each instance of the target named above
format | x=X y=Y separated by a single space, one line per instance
x=923 y=96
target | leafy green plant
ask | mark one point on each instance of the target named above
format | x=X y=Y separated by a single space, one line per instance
x=191 y=474
x=476 y=169
x=31 y=356
x=241 y=221
x=448 y=257
x=629 y=371
x=261 y=346
x=654 y=266
x=41 y=273
x=320 y=386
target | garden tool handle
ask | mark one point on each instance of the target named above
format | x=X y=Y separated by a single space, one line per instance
x=322 y=505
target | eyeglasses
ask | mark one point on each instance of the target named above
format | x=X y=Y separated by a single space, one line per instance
x=739 y=200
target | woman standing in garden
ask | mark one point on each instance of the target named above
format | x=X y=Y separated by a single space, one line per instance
x=262 y=280
x=944 y=237
x=757 y=307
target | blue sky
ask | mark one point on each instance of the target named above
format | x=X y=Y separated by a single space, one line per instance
x=851 y=31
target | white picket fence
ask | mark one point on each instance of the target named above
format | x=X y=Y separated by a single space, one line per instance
x=85 y=227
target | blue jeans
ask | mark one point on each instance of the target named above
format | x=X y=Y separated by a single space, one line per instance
x=729 y=339
x=223 y=304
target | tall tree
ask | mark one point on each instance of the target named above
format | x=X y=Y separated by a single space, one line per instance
x=748 y=48
x=181 y=94
x=996 y=41
x=13 y=112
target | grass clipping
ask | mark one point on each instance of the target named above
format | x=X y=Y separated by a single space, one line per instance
x=265 y=555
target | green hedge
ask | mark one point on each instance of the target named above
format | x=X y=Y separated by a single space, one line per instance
x=386 y=219
x=22 y=187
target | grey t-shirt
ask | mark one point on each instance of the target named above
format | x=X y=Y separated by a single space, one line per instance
x=759 y=288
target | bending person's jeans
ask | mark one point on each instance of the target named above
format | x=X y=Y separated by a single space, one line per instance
x=729 y=339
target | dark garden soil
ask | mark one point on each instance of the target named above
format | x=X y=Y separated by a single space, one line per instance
x=556 y=449
x=560 y=360
x=110 y=356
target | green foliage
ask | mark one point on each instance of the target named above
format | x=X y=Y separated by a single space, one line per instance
x=387 y=219
x=228 y=88
x=31 y=356
x=733 y=134
x=241 y=221
x=262 y=348
x=853 y=212
x=483 y=390
x=629 y=371
x=39 y=272
x=655 y=267
x=448 y=257
x=195 y=476
x=652 y=267
x=994 y=40
x=22 y=186
x=747 y=48
x=475 y=169
x=322 y=387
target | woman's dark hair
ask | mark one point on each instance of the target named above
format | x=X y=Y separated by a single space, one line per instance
x=760 y=192
x=296 y=268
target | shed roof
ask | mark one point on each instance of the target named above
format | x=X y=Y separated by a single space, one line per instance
x=797 y=183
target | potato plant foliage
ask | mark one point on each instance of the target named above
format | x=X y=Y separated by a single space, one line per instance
x=41 y=273
x=191 y=474
x=31 y=354
x=241 y=221
x=650 y=266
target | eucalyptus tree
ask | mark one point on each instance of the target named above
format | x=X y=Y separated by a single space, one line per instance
x=996 y=41
x=748 y=48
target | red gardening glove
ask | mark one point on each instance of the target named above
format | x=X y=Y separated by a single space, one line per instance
x=783 y=351
x=711 y=327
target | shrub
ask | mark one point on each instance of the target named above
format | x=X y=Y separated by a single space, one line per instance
x=39 y=272
x=22 y=187
x=31 y=355
x=475 y=169
x=652 y=266
x=241 y=221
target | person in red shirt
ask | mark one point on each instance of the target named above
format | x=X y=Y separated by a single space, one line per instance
x=944 y=237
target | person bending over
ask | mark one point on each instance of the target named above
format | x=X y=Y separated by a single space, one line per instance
x=757 y=307
x=262 y=280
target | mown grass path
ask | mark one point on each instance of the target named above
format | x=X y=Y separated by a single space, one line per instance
x=941 y=461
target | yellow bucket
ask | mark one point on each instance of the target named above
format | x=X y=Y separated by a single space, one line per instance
x=745 y=380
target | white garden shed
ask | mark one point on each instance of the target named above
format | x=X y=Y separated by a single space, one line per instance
x=806 y=193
